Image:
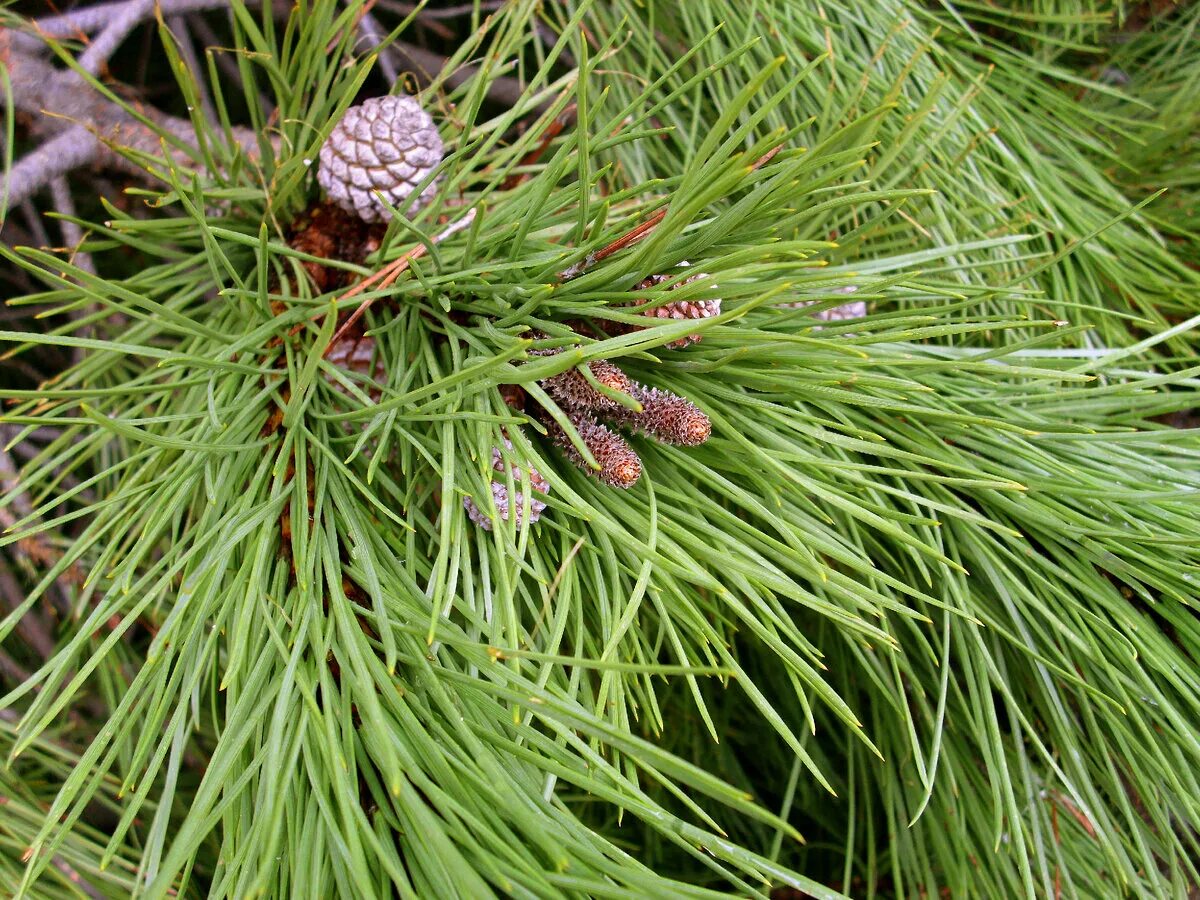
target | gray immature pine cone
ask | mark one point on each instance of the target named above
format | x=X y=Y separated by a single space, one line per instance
x=508 y=506
x=855 y=309
x=385 y=144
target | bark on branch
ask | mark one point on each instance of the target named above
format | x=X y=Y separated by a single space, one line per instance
x=82 y=125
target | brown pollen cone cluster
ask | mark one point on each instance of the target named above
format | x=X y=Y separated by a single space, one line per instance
x=663 y=416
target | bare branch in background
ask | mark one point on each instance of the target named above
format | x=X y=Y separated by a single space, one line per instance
x=373 y=34
x=35 y=548
x=60 y=191
x=211 y=41
x=66 y=151
x=9 y=487
x=425 y=64
x=90 y=19
x=113 y=35
x=83 y=125
x=37 y=228
x=13 y=670
x=445 y=12
x=33 y=625
x=179 y=26
x=76 y=879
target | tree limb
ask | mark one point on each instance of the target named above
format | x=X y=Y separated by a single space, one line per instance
x=114 y=34
x=91 y=19
x=66 y=151
x=91 y=126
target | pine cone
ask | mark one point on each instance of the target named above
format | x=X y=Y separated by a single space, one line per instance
x=619 y=464
x=571 y=390
x=325 y=230
x=506 y=505
x=665 y=416
x=385 y=145
x=680 y=309
x=855 y=309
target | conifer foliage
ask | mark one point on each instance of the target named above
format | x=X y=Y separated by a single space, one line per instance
x=450 y=537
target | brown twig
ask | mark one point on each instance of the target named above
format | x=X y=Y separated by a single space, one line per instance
x=626 y=240
x=553 y=130
x=640 y=232
x=386 y=277
x=1056 y=799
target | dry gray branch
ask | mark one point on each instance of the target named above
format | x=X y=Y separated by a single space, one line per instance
x=113 y=34
x=425 y=64
x=65 y=151
x=444 y=12
x=59 y=100
x=60 y=191
x=373 y=34
x=212 y=42
x=91 y=19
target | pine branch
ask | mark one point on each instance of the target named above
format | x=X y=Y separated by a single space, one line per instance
x=62 y=153
x=928 y=589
